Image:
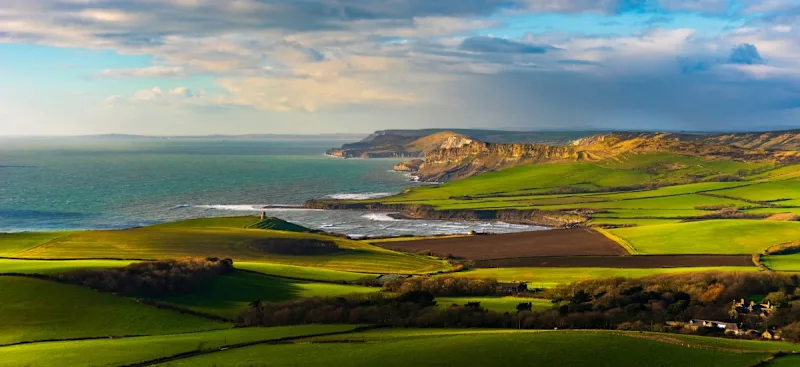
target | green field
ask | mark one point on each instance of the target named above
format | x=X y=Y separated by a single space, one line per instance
x=220 y=222
x=13 y=243
x=114 y=352
x=32 y=309
x=767 y=191
x=56 y=266
x=497 y=304
x=482 y=349
x=784 y=361
x=551 y=277
x=199 y=242
x=303 y=272
x=229 y=295
x=710 y=237
x=782 y=262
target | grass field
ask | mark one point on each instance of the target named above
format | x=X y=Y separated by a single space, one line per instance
x=221 y=222
x=235 y=243
x=228 y=295
x=784 y=361
x=710 y=237
x=56 y=266
x=32 y=309
x=13 y=243
x=767 y=191
x=114 y=352
x=303 y=272
x=782 y=262
x=482 y=349
x=498 y=304
x=551 y=277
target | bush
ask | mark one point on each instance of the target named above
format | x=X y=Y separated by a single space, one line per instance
x=445 y=286
x=152 y=279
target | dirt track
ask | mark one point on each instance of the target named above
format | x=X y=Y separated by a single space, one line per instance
x=557 y=242
x=640 y=262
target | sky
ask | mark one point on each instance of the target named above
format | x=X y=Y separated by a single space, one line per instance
x=195 y=67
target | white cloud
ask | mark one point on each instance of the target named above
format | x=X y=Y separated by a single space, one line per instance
x=149 y=72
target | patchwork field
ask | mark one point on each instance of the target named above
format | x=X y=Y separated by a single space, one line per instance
x=22 y=266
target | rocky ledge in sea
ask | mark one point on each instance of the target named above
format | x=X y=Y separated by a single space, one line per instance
x=410 y=166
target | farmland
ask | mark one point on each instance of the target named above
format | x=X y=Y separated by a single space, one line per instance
x=482 y=348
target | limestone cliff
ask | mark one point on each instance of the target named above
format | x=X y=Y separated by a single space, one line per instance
x=447 y=164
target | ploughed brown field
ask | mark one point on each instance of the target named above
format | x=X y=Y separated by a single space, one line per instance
x=557 y=242
x=642 y=262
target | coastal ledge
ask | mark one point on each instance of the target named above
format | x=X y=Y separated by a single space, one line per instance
x=536 y=217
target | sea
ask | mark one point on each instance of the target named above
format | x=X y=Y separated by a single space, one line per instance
x=55 y=184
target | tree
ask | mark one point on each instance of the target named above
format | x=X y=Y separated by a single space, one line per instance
x=525 y=306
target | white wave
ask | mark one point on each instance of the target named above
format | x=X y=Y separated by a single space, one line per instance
x=379 y=217
x=181 y=206
x=363 y=196
x=237 y=208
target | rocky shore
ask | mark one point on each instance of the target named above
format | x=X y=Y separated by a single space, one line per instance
x=417 y=211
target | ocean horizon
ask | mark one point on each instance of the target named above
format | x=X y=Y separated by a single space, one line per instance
x=59 y=184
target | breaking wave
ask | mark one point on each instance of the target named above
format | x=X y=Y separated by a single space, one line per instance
x=363 y=196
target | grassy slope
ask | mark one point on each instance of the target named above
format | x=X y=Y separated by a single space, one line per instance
x=550 y=277
x=782 y=262
x=303 y=272
x=56 y=266
x=221 y=222
x=710 y=237
x=484 y=349
x=13 y=243
x=108 y=352
x=34 y=309
x=179 y=242
x=785 y=361
x=498 y=304
x=228 y=295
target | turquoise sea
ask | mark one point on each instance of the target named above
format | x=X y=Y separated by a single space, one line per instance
x=120 y=182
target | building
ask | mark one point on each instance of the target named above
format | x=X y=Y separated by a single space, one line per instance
x=741 y=308
x=727 y=327
x=772 y=335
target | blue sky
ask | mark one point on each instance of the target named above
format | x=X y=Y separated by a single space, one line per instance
x=70 y=67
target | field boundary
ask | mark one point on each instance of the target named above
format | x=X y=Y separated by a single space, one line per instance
x=619 y=240
x=283 y=340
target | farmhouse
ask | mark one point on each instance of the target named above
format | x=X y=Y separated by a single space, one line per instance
x=727 y=327
x=741 y=307
x=772 y=335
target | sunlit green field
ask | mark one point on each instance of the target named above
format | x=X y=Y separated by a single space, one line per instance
x=782 y=262
x=710 y=237
x=13 y=243
x=229 y=295
x=56 y=266
x=235 y=243
x=482 y=349
x=551 y=277
x=32 y=309
x=115 y=352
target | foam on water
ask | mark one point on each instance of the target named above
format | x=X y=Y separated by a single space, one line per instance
x=362 y=196
x=379 y=217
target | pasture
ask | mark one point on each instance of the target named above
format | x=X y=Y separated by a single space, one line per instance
x=710 y=237
x=497 y=304
x=303 y=272
x=33 y=310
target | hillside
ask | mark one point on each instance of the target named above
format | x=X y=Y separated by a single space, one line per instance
x=452 y=163
x=416 y=143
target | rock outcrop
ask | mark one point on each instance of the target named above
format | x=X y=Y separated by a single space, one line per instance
x=410 y=166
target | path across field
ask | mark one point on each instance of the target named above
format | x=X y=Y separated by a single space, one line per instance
x=629 y=262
